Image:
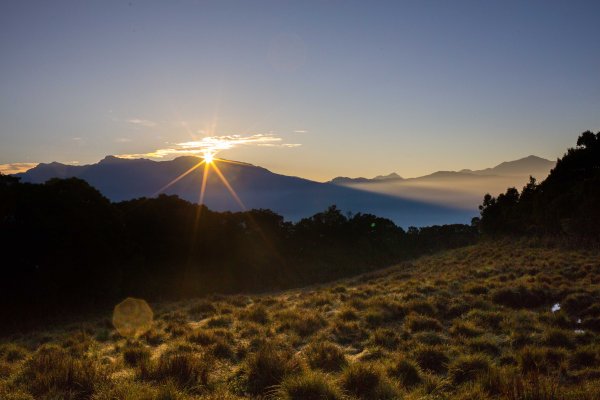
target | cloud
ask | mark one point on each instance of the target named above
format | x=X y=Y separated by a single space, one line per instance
x=142 y=122
x=213 y=145
x=122 y=140
x=15 y=168
x=301 y=131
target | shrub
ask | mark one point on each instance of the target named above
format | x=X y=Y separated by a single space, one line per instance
x=431 y=358
x=308 y=386
x=367 y=382
x=406 y=371
x=467 y=368
x=325 y=356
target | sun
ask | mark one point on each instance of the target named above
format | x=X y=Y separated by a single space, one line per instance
x=209 y=158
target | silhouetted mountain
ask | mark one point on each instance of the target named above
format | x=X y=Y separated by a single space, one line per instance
x=460 y=189
x=531 y=165
x=523 y=167
x=294 y=198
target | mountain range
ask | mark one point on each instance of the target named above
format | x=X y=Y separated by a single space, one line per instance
x=408 y=202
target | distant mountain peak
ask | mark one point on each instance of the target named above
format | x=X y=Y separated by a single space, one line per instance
x=390 y=176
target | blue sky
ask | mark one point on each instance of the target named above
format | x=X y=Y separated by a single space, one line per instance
x=340 y=87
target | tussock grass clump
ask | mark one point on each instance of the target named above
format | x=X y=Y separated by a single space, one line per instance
x=309 y=385
x=186 y=370
x=52 y=371
x=348 y=332
x=267 y=367
x=347 y=314
x=325 y=356
x=584 y=357
x=465 y=329
x=521 y=296
x=487 y=344
x=406 y=371
x=302 y=323
x=365 y=381
x=431 y=358
x=576 y=303
x=418 y=323
x=422 y=307
x=386 y=338
x=11 y=352
x=558 y=338
x=202 y=309
x=468 y=368
x=257 y=313
x=134 y=355
x=220 y=321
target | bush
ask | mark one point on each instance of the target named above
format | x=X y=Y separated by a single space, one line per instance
x=468 y=368
x=308 y=386
x=325 y=356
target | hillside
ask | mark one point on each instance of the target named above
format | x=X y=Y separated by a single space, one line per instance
x=492 y=321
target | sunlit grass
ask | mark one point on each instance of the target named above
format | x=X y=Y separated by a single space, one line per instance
x=472 y=323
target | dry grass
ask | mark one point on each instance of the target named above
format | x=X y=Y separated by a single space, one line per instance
x=473 y=323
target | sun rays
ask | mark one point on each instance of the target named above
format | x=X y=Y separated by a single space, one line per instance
x=209 y=161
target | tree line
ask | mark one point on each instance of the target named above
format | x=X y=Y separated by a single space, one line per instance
x=66 y=248
x=566 y=203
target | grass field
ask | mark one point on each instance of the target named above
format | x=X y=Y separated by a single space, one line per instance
x=473 y=323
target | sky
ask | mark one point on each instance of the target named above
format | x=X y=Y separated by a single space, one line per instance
x=316 y=89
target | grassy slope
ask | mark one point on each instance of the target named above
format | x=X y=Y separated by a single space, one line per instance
x=472 y=323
